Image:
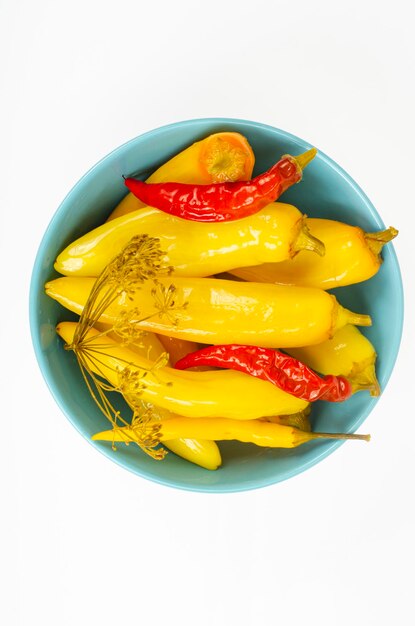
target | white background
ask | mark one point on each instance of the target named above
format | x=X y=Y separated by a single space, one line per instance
x=86 y=542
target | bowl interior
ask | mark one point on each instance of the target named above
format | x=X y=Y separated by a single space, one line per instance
x=326 y=191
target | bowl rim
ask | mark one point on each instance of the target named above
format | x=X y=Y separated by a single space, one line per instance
x=54 y=389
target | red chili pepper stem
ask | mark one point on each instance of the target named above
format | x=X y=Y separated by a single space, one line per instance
x=305 y=158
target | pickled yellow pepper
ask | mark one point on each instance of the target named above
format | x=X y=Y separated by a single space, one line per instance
x=232 y=395
x=199 y=451
x=216 y=311
x=348 y=353
x=351 y=256
x=221 y=157
x=276 y=233
x=264 y=434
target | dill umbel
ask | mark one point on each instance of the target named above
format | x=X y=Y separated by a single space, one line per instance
x=139 y=261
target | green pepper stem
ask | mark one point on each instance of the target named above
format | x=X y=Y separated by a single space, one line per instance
x=300 y=437
x=306 y=241
x=365 y=380
x=339 y=436
x=358 y=319
x=376 y=241
x=344 y=316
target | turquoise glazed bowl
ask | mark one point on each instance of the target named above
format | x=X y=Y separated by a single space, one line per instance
x=326 y=191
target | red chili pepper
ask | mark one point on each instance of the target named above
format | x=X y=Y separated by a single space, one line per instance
x=220 y=202
x=276 y=367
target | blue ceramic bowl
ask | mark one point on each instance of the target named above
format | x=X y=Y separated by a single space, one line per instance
x=326 y=191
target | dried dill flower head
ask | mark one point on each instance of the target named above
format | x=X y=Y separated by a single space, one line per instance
x=140 y=260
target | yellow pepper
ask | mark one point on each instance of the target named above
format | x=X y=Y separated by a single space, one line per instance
x=216 y=311
x=177 y=348
x=351 y=257
x=348 y=353
x=276 y=233
x=226 y=393
x=218 y=158
x=264 y=434
x=199 y=451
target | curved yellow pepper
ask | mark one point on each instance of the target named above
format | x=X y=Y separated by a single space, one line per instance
x=218 y=158
x=199 y=451
x=276 y=233
x=348 y=353
x=264 y=434
x=216 y=311
x=351 y=256
x=226 y=393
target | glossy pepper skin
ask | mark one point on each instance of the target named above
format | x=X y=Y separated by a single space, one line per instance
x=351 y=256
x=220 y=157
x=348 y=353
x=222 y=201
x=191 y=394
x=178 y=348
x=278 y=368
x=216 y=311
x=276 y=233
x=259 y=432
x=202 y=452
